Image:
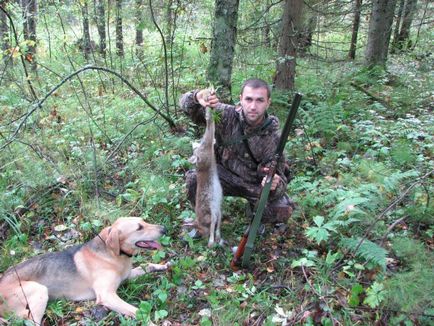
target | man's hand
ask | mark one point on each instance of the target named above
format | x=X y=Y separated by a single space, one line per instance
x=274 y=182
x=206 y=97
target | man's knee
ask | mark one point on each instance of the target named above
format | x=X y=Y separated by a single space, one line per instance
x=279 y=211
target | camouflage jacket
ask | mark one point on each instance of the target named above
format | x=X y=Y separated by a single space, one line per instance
x=231 y=152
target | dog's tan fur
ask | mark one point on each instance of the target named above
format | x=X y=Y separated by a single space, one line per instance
x=93 y=270
x=209 y=192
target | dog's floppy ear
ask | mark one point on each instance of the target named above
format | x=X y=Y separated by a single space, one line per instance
x=113 y=241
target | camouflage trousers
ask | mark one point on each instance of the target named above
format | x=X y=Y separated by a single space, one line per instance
x=278 y=210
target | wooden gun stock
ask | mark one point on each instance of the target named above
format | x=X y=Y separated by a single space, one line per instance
x=236 y=261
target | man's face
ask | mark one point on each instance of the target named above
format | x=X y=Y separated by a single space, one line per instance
x=254 y=102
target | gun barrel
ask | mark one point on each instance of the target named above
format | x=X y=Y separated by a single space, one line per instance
x=289 y=121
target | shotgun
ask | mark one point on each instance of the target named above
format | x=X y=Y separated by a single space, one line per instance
x=245 y=246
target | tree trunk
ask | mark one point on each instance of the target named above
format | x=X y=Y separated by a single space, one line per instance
x=169 y=21
x=139 y=28
x=119 y=34
x=266 y=34
x=100 y=21
x=267 y=28
x=291 y=24
x=305 y=35
x=30 y=11
x=4 y=32
x=403 y=41
x=86 y=43
x=397 y=26
x=356 y=24
x=380 y=26
x=223 y=46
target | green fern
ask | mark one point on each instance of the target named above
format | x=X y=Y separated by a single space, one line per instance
x=392 y=182
x=403 y=153
x=411 y=288
x=368 y=250
x=323 y=118
x=356 y=202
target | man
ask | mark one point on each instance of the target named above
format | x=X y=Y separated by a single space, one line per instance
x=246 y=139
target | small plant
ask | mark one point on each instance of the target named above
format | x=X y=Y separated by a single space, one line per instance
x=308 y=260
x=144 y=312
x=321 y=231
x=374 y=295
x=366 y=249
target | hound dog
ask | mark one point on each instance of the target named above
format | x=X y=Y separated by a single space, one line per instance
x=93 y=270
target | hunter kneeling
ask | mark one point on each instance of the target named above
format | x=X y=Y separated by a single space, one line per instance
x=246 y=140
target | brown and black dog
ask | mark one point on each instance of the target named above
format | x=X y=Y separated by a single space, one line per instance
x=93 y=270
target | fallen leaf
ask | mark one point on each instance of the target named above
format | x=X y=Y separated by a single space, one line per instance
x=205 y=313
x=79 y=310
x=60 y=228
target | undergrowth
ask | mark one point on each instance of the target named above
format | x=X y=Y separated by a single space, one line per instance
x=358 y=249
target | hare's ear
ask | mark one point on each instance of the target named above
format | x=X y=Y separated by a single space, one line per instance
x=193 y=159
x=113 y=241
x=195 y=145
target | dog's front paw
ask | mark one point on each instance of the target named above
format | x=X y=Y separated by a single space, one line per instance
x=150 y=268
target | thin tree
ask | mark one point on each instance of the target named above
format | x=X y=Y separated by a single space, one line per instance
x=291 y=25
x=100 y=21
x=380 y=27
x=223 y=46
x=30 y=12
x=4 y=32
x=308 y=23
x=139 y=27
x=86 y=43
x=169 y=20
x=119 y=33
x=398 y=23
x=355 y=31
x=403 y=41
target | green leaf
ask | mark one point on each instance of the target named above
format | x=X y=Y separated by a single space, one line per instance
x=198 y=285
x=160 y=314
x=354 y=299
x=375 y=294
x=164 y=240
x=331 y=258
x=317 y=233
x=119 y=201
x=318 y=220
x=158 y=256
x=162 y=295
x=143 y=314
x=205 y=321
x=368 y=250
x=302 y=262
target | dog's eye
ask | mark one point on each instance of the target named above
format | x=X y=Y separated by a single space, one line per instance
x=140 y=227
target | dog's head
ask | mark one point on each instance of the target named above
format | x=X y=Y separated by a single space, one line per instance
x=130 y=234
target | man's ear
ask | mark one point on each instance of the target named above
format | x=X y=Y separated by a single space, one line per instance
x=113 y=241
